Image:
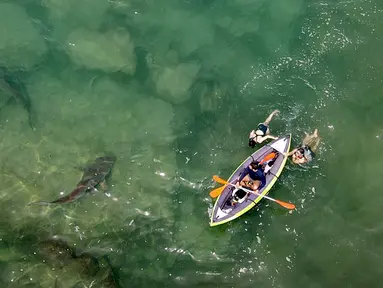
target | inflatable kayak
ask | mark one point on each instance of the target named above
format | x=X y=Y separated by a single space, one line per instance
x=225 y=208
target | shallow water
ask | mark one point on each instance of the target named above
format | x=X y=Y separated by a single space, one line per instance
x=173 y=90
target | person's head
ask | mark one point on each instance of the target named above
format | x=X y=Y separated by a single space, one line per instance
x=300 y=153
x=255 y=165
x=299 y=156
x=252 y=142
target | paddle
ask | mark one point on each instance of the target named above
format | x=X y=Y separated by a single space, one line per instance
x=216 y=192
x=268 y=157
x=283 y=204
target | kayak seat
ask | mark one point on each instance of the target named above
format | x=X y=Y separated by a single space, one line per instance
x=270 y=164
x=239 y=195
x=268 y=167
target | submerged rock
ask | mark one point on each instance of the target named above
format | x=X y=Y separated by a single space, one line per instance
x=153 y=118
x=21 y=45
x=58 y=254
x=73 y=13
x=111 y=51
x=210 y=93
x=173 y=83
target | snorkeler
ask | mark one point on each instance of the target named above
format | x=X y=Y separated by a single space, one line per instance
x=305 y=152
x=262 y=132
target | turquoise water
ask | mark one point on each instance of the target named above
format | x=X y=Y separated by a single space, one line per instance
x=173 y=89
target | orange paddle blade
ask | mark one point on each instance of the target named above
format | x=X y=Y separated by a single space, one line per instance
x=219 y=180
x=268 y=157
x=286 y=205
x=216 y=192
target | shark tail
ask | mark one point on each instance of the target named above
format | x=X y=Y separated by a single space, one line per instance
x=31 y=122
x=78 y=192
x=40 y=203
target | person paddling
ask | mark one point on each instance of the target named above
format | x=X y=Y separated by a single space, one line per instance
x=253 y=177
x=305 y=152
x=262 y=132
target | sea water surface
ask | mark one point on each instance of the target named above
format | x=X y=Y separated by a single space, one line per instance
x=173 y=88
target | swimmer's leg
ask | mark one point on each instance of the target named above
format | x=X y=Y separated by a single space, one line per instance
x=315 y=144
x=268 y=119
x=312 y=140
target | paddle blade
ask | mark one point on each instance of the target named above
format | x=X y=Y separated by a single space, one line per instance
x=219 y=180
x=268 y=157
x=216 y=192
x=286 y=205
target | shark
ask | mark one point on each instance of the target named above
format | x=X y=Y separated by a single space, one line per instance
x=12 y=86
x=94 y=175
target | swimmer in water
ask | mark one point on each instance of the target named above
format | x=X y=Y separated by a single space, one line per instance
x=305 y=152
x=262 y=132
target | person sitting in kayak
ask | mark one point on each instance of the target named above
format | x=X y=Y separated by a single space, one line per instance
x=253 y=178
x=305 y=152
x=262 y=132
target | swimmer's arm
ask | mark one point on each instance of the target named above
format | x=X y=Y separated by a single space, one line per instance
x=267 y=137
x=291 y=152
x=302 y=161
